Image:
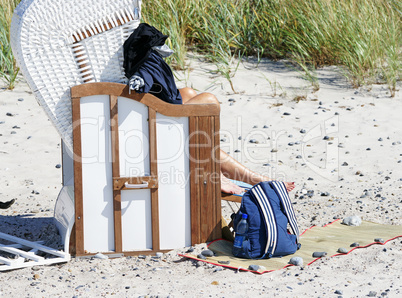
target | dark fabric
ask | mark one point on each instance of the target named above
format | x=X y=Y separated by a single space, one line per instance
x=137 y=47
x=159 y=79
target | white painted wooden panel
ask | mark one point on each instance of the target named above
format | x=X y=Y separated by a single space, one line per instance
x=136 y=219
x=134 y=161
x=133 y=138
x=174 y=184
x=97 y=183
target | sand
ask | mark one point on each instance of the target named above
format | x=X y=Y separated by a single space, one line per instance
x=339 y=143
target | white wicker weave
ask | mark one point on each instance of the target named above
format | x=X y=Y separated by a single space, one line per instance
x=62 y=43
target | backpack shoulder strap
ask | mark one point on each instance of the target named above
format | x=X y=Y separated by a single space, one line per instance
x=269 y=218
x=283 y=195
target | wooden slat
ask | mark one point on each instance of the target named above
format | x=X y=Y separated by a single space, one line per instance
x=96 y=31
x=194 y=189
x=80 y=58
x=118 y=182
x=153 y=159
x=114 y=127
x=127 y=253
x=217 y=233
x=79 y=212
x=231 y=198
x=206 y=185
x=149 y=100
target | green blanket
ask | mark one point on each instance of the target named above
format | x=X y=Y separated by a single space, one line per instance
x=316 y=239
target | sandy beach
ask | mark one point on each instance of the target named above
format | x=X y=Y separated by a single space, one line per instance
x=340 y=145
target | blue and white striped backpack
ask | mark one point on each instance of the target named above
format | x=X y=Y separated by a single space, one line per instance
x=270 y=213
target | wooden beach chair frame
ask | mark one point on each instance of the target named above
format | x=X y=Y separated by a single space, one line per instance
x=205 y=192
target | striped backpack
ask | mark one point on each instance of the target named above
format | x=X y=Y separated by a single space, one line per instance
x=269 y=211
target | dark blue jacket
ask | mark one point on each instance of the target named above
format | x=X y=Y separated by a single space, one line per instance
x=159 y=79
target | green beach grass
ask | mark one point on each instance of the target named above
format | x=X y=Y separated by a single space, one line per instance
x=363 y=37
x=8 y=67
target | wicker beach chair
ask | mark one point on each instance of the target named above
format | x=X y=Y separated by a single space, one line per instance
x=135 y=179
x=60 y=44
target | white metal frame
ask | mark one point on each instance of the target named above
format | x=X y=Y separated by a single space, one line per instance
x=26 y=253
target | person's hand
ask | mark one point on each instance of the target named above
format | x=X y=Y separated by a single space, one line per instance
x=290 y=186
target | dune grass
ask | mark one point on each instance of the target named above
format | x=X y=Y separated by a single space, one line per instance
x=363 y=37
x=8 y=67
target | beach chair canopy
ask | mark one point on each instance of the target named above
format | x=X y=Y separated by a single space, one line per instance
x=59 y=44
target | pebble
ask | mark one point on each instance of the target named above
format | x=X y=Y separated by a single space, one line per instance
x=372 y=294
x=325 y=194
x=342 y=250
x=207 y=253
x=368 y=149
x=191 y=249
x=345 y=164
x=352 y=221
x=319 y=254
x=291 y=144
x=297 y=261
x=253 y=267
x=302 y=131
x=380 y=139
x=224 y=262
x=215 y=283
x=339 y=292
x=254 y=141
x=218 y=269
x=237 y=150
x=265 y=126
x=20 y=99
x=355 y=244
x=232 y=100
x=380 y=240
x=299 y=157
x=58 y=166
x=274 y=150
x=101 y=256
x=286 y=114
x=201 y=256
x=10 y=114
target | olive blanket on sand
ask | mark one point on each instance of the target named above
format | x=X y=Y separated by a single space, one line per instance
x=329 y=239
